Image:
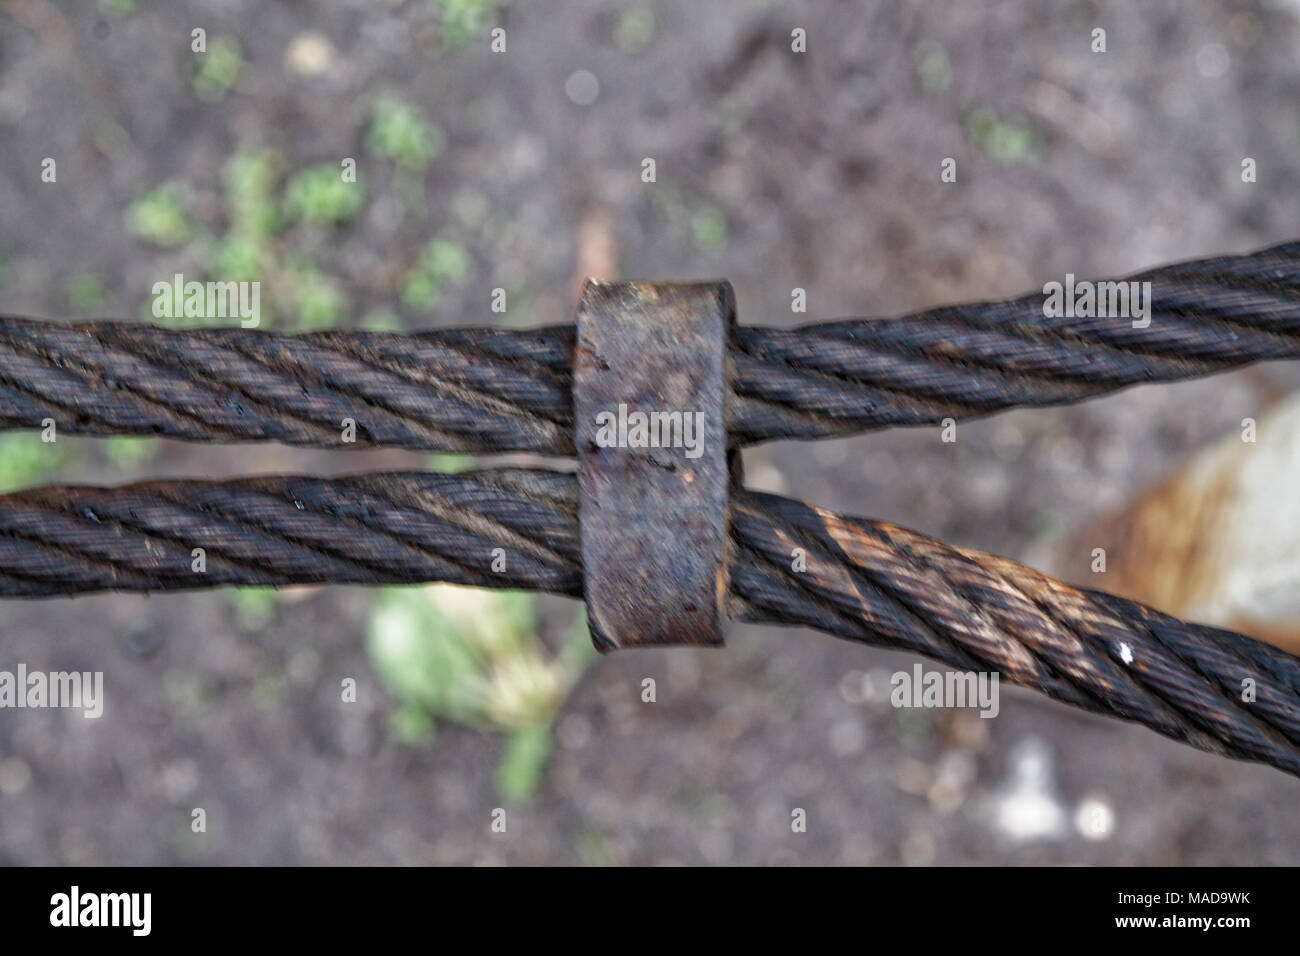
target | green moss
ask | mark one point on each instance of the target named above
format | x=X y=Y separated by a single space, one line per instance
x=87 y=293
x=26 y=461
x=463 y=20
x=527 y=752
x=398 y=134
x=441 y=263
x=420 y=292
x=635 y=29
x=253 y=606
x=159 y=217
x=709 y=230
x=1007 y=142
x=218 y=69
x=412 y=724
x=473 y=657
x=319 y=194
x=250 y=189
x=450 y=464
x=381 y=320
x=127 y=453
x=321 y=304
x=446 y=261
x=237 y=258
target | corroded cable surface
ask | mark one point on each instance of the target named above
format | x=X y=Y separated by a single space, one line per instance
x=881 y=584
x=391 y=528
x=964 y=361
x=495 y=390
x=863 y=580
x=453 y=390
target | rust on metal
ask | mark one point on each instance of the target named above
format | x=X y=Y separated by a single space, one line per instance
x=1217 y=540
x=649 y=386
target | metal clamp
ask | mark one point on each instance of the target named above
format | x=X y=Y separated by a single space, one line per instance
x=649 y=387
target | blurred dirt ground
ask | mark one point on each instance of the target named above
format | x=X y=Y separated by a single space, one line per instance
x=776 y=170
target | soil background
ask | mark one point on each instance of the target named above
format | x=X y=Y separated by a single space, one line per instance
x=776 y=170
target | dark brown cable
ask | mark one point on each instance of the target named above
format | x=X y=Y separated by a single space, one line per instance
x=864 y=580
x=495 y=390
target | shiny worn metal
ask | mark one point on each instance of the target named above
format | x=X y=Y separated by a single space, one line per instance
x=649 y=387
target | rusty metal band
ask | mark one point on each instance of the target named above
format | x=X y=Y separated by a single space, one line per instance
x=649 y=388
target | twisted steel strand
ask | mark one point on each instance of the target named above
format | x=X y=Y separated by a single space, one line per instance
x=390 y=528
x=963 y=361
x=510 y=390
x=863 y=580
x=875 y=582
x=456 y=390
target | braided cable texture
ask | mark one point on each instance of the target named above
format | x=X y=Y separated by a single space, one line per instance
x=392 y=528
x=864 y=580
x=490 y=390
x=964 y=361
x=461 y=390
x=875 y=582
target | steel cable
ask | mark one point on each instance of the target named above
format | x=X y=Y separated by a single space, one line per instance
x=875 y=582
x=493 y=390
x=460 y=390
x=864 y=580
x=964 y=361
